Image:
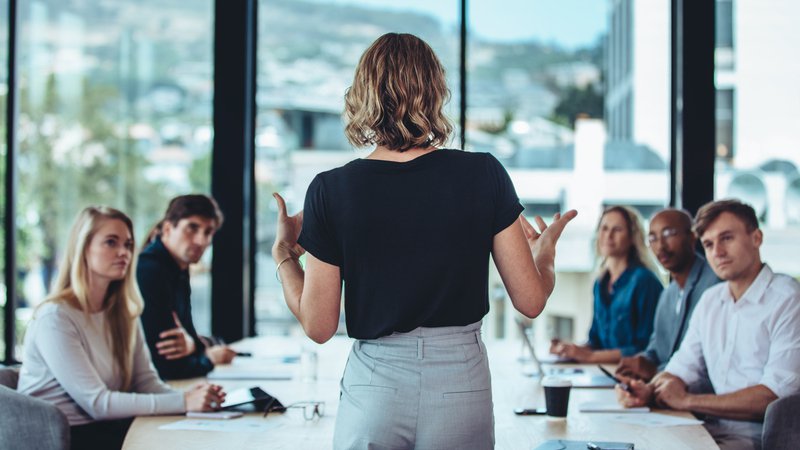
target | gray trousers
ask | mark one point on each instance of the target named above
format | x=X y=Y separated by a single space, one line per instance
x=425 y=389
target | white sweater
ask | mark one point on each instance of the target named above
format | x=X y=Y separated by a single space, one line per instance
x=68 y=361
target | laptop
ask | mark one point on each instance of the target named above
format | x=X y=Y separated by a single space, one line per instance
x=577 y=376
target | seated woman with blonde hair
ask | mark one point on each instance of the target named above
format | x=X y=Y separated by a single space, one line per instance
x=84 y=350
x=626 y=292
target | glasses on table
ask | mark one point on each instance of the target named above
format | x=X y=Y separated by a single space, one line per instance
x=311 y=410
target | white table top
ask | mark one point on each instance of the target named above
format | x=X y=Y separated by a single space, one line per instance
x=510 y=388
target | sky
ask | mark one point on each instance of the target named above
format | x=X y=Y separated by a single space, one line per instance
x=570 y=23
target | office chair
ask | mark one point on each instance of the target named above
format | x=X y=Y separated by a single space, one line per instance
x=27 y=422
x=782 y=424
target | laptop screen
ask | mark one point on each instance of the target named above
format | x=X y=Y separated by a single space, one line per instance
x=523 y=329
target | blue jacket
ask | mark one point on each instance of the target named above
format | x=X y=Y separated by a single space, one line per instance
x=623 y=319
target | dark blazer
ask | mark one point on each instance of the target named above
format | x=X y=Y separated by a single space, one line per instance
x=165 y=288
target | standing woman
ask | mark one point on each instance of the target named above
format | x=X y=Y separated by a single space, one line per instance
x=625 y=293
x=409 y=229
x=84 y=349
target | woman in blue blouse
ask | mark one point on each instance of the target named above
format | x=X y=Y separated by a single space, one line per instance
x=625 y=294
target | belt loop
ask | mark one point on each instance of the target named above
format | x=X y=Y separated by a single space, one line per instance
x=419 y=348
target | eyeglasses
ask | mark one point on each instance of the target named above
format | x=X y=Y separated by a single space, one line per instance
x=311 y=410
x=666 y=233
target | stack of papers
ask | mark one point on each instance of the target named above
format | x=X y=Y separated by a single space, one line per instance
x=605 y=407
x=243 y=425
x=654 y=420
x=249 y=374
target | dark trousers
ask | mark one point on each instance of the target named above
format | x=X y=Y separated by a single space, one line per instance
x=104 y=435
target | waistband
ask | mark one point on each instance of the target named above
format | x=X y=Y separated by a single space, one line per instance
x=422 y=337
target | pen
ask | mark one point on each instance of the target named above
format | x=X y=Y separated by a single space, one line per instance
x=624 y=386
x=244 y=354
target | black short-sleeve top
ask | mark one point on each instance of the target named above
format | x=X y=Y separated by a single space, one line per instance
x=411 y=239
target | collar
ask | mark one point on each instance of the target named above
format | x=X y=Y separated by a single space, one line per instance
x=159 y=252
x=755 y=292
x=623 y=278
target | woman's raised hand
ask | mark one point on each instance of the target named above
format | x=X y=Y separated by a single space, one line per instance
x=543 y=241
x=287 y=232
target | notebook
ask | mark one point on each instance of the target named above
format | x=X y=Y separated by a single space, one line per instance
x=583 y=445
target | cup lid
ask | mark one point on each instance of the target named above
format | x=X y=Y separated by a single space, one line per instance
x=552 y=381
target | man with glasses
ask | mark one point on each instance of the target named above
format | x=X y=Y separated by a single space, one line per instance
x=744 y=334
x=672 y=242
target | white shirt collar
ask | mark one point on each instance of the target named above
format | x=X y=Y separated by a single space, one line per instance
x=755 y=292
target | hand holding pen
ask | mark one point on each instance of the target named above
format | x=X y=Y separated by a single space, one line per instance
x=631 y=393
x=623 y=385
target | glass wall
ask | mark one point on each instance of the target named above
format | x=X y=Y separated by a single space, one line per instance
x=758 y=140
x=307 y=53
x=115 y=103
x=573 y=98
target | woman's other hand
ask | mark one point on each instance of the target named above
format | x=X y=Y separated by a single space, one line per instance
x=287 y=232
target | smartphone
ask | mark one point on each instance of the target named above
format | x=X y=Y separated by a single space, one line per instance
x=530 y=411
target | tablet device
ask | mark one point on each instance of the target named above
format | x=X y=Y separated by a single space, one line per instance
x=256 y=396
x=224 y=415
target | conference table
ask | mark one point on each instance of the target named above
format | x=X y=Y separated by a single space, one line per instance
x=278 y=357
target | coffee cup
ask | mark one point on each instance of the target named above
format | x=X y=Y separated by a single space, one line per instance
x=556 y=395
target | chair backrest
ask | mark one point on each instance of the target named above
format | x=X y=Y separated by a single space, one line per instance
x=9 y=377
x=27 y=422
x=782 y=424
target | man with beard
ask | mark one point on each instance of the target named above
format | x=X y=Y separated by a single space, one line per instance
x=672 y=241
x=178 y=240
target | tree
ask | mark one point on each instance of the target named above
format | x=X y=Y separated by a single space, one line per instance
x=59 y=175
x=577 y=101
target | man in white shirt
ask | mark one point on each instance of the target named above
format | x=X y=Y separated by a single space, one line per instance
x=744 y=333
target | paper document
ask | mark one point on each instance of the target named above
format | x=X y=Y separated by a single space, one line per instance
x=610 y=407
x=250 y=374
x=243 y=425
x=654 y=420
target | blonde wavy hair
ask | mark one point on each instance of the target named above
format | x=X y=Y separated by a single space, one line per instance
x=397 y=96
x=638 y=253
x=123 y=303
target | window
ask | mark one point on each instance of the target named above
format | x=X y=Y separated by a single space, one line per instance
x=114 y=108
x=725 y=126
x=308 y=51
x=724 y=24
x=757 y=121
x=573 y=98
